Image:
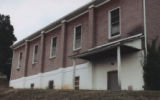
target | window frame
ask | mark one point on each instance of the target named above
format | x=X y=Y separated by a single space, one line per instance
x=19 y=60
x=51 y=43
x=33 y=57
x=74 y=38
x=109 y=23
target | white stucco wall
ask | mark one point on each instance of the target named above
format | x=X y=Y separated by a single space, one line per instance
x=18 y=83
x=101 y=68
x=55 y=75
x=63 y=78
x=131 y=71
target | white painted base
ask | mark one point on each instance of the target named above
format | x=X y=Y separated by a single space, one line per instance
x=41 y=80
x=131 y=72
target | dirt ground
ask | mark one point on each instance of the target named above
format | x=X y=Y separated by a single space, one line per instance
x=17 y=94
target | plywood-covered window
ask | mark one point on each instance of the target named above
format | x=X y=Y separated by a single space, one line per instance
x=114 y=22
x=51 y=84
x=77 y=37
x=76 y=83
x=53 y=47
x=32 y=86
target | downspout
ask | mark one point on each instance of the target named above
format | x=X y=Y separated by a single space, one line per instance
x=119 y=65
x=145 y=32
x=74 y=72
x=145 y=26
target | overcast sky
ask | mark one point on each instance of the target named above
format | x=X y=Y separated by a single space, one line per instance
x=28 y=16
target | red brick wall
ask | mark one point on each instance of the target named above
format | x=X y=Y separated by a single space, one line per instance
x=131 y=21
x=33 y=68
x=131 y=12
x=153 y=19
x=83 y=20
x=51 y=64
x=18 y=73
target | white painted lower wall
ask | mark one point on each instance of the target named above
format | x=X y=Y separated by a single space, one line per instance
x=92 y=76
x=101 y=68
x=131 y=71
x=63 y=78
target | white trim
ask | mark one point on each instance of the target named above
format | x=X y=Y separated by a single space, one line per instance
x=63 y=21
x=53 y=28
x=74 y=49
x=19 y=46
x=33 y=56
x=35 y=38
x=91 y=6
x=71 y=19
x=109 y=23
x=102 y=3
x=51 y=43
x=42 y=32
x=145 y=25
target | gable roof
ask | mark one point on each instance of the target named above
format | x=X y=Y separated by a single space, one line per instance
x=81 y=10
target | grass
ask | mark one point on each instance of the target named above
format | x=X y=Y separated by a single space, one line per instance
x=26 y=94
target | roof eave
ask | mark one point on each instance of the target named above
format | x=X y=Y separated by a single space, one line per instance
x=58 y=22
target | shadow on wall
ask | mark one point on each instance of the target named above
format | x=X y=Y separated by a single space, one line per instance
x=136 y=30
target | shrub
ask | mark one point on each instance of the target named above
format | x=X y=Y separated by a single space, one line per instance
x=152 y=67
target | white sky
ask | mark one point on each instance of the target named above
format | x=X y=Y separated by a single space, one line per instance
x=28 y=16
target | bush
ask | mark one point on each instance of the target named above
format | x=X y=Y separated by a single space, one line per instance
x=152 y=67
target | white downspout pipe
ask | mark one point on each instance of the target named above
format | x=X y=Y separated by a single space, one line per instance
x=119 y=65
x=145 y=26
x=74 y=72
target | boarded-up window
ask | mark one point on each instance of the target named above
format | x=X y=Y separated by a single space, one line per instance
x=35 y=54
x=53 y=47
x=77 y=37
x=114 y=22
x=77 y=83
x=20 y=60
x=51 y=84
x=32 y=86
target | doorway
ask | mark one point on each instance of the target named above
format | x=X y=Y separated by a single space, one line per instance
x=113 y=81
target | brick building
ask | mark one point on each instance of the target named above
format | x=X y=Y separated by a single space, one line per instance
x=100 y=46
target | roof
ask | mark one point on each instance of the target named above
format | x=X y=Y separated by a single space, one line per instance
x=80 y=10
x=108 y=46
